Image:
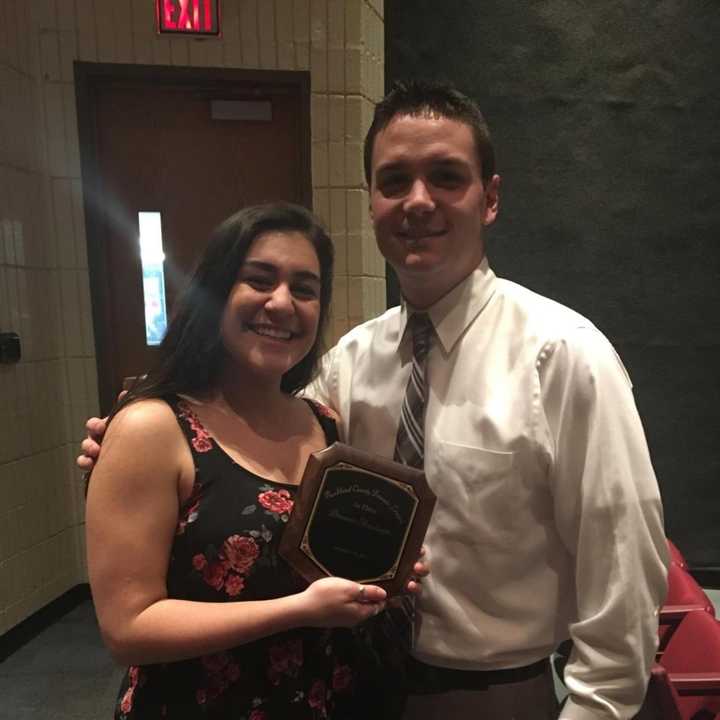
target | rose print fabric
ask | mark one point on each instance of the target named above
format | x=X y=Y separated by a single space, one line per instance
x=226 y=550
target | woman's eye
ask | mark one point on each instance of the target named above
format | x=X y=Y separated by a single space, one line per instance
x=259 y=283
x=306 y=292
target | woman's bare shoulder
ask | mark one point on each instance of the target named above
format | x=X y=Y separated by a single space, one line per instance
x=143 y=413
x=144 y=451
x=143 y=421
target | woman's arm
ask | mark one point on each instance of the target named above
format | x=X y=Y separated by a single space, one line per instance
x=132 y=513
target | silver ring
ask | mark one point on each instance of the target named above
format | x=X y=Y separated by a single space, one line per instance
x=361 y=593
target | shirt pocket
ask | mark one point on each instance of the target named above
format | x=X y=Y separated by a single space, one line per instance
x=477 y=497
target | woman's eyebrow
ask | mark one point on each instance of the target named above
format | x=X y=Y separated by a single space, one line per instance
x=259 y=265
x=269 y=267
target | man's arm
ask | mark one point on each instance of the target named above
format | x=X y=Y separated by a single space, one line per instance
x=609 y=515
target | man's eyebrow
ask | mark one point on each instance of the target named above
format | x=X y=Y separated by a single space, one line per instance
x=391 y=166
x=399 y=165
x=269 y=267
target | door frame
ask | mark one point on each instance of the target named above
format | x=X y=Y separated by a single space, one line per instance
x=89 y=77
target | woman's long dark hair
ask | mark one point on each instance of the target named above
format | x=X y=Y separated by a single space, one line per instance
x=192 y=352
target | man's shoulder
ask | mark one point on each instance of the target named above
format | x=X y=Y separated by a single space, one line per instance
x=547 y=325
x=541 y=314
x=385 y=325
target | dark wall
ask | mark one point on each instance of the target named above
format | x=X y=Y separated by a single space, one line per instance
x=606 y=117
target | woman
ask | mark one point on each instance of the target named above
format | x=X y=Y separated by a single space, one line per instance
x=196 y=479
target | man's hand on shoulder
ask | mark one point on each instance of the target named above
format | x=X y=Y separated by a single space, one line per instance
x=90 y=446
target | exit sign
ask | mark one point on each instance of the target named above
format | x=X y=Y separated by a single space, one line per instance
x=188 y=17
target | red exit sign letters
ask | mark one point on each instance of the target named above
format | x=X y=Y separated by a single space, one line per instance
x=193 y=17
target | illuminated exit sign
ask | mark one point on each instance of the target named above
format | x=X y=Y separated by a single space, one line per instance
x=191 y=17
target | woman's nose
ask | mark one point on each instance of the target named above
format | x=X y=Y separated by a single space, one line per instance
x=280 y=299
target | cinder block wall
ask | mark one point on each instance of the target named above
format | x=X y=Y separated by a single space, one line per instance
x=44 y=289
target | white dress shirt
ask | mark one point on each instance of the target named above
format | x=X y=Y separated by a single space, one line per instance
x=548 y=522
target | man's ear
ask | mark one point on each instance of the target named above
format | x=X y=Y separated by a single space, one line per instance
x=492 y=200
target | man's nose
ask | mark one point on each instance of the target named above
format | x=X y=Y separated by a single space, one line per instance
x=419 y=199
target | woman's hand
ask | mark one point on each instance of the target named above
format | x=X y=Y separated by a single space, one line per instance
x=336 y=602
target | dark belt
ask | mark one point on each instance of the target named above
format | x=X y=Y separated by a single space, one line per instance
x=424 y=679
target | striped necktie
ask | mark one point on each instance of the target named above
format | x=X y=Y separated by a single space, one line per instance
x=410 y=442
x=410 y=447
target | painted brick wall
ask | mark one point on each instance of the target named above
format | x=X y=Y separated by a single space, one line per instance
x=44 y=289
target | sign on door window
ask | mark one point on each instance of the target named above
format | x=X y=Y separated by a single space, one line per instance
x=153 y=257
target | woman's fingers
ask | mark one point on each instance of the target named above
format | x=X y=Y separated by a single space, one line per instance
x=372 y=598
x=369 y=594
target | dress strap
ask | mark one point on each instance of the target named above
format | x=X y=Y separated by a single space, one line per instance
x=196 y=435
x=326 y=419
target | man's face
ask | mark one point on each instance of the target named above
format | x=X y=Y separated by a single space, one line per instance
x=429 y=204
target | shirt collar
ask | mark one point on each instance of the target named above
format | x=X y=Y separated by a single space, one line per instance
x=452 y=314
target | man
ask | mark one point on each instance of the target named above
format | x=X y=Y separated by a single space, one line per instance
x=548 y=523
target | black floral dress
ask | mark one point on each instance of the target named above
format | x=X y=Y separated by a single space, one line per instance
x=225 y=550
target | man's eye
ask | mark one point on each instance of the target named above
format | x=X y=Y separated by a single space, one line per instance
x=392 y=184
x=447 y=178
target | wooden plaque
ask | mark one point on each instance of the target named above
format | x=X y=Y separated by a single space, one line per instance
x=358 y=516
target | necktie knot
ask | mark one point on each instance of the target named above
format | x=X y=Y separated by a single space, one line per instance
x=421 y=328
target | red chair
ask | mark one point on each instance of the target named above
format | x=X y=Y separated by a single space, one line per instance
x=683 y=589
x=686 y=686
x=684 y=596
x=675 y=555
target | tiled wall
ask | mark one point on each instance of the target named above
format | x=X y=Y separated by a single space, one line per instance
x=44 y=291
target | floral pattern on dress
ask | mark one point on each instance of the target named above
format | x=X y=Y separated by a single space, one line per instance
x=316 y=697
x=125 y=704
x=226 y=550
x=324 y=410
x=342 y=678
x=190 y=512
x=226 y=572
x=285 y=658
x=221 y=672
x=277 y=501
x=201 y=440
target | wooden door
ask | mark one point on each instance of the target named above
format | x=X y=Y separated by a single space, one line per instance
x=183 y=150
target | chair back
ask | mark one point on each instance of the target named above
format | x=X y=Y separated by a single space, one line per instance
x=691 y=663
x=683 y=589
x=675 y=555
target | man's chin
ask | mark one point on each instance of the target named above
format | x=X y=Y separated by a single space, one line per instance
x=418 y=261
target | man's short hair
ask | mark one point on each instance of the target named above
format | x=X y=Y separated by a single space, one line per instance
x=419 y=97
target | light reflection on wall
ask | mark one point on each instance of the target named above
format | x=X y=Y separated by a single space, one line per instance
x=152 y=257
